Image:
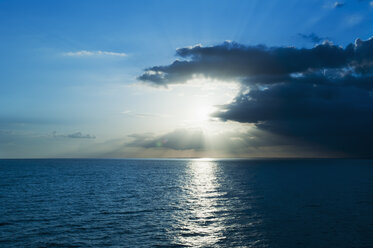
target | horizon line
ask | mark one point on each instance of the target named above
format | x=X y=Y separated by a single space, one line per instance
x=186 y=158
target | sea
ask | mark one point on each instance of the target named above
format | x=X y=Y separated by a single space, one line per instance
x=186 y=203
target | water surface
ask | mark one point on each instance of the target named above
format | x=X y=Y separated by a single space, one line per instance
x=186 y=203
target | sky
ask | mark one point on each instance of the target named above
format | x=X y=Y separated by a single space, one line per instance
x=120 y=79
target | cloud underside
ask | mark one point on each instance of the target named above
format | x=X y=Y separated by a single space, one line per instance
x=320 y=96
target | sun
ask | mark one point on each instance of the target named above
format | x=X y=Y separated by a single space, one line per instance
x=198 y=116
x=198 y=99
x=202 y=114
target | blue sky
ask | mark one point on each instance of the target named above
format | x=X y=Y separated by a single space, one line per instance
x=69 y=69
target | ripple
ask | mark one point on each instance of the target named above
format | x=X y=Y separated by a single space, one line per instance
x=185 y=203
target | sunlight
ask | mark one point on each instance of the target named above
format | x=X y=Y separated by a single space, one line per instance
x=202 y=192
x=202 y=96
x=202 y=114
x=204 y=159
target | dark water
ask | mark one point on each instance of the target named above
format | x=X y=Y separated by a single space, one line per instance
x=186 y=203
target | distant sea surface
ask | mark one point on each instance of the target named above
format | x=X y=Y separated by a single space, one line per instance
x=186 y=203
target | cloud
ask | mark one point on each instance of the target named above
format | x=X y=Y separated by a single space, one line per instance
x=312 y=37
x=234 y=143
x=94 y=53
x=338 y=5
x=335 y=117
x=180 y=139
x=143 y=115
x=77 y=135
x=29 y=144
x=232 y=61
x=320 y=97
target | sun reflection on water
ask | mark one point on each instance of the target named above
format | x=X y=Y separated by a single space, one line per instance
x=199 y=225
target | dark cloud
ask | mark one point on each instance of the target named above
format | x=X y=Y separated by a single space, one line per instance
x=320 y=96
x=234 y=61
x=335 y=117
x=312 y=37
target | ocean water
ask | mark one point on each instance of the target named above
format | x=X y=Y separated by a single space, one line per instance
x=186 y=203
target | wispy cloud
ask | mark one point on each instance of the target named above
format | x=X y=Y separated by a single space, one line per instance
x=338 y=5
x=82 y=53
x=312 y=37
x=142 y=115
